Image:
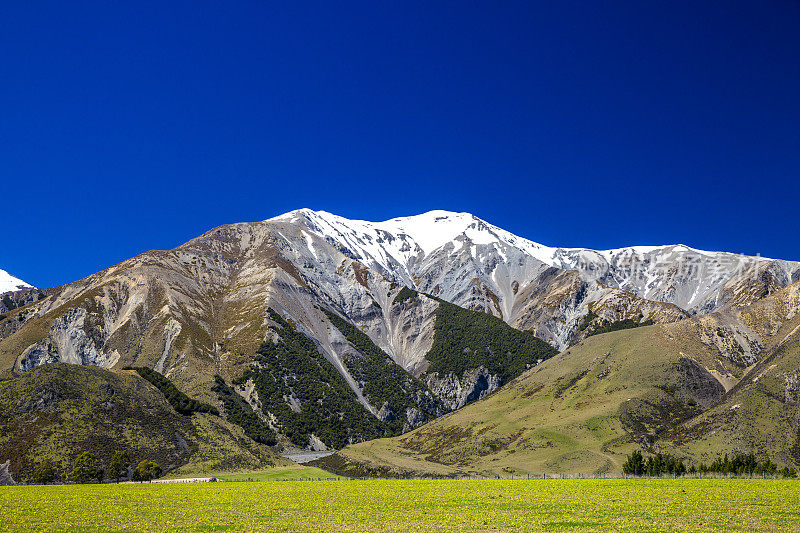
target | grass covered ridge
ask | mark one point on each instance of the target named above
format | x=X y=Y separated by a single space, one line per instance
x=584 y=410
x=57 y=411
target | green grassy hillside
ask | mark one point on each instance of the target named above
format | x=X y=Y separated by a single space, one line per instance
x=58 y=411
x=760 y=414
x=562 y=416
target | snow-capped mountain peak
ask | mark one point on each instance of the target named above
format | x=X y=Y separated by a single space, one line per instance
x=407 y=249
x=400 y=240
x=429 y=231
x=9 y=283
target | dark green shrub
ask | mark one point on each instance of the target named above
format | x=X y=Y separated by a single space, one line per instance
x=86 y=469
x=405 y=294
x=118 y=467
x=606 y=327
x=146 y=470
x=45 y=472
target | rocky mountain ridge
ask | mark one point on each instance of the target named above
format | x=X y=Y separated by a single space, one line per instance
x=474 y=264
x=210 y=306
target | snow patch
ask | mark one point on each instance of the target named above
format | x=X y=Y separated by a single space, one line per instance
x=9 y=283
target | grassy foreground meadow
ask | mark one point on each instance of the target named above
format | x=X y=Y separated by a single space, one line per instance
x=496 y=505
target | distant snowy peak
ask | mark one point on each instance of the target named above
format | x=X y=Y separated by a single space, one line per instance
x=9 y=283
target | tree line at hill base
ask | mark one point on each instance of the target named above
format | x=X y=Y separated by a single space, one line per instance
x=665 y=464
x=88 y=469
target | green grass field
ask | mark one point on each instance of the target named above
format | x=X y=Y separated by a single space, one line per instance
x=500 y=505
x=293 y=473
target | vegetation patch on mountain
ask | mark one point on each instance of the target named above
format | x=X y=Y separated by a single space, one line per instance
x=587 y=320
x=56 y=412
x=177 y=399
x=465 y=340
x=605 y=326
x=405 y=294
x=8 y=303
x=386 y=385
x=305 y=393
x=239 y=412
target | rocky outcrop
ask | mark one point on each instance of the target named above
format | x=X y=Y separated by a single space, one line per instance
x=19 y=298
x=13 y=311
x=5 y=474
x=48 y=400
x=66 y=342
x=457 y=391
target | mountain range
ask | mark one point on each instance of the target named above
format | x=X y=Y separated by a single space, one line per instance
x=314 y=331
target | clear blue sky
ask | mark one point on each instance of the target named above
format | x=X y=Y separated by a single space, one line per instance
x=140 y=125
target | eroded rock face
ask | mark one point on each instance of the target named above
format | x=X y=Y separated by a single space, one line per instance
x=415 y=417
x=5 y=474
x=457 y=391
x=555 y=305
x=66 y=342
x=19 y=298
x=733 y=340
x=792 y=388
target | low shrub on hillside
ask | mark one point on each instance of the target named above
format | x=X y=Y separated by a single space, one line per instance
x=405 y=294
x=607 y=327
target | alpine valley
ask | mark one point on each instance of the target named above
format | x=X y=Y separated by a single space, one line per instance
x=435 y=344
